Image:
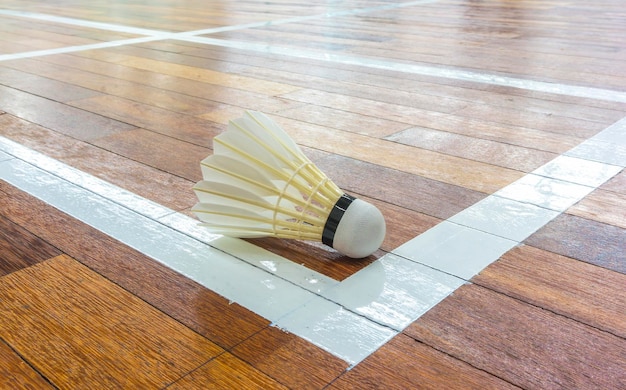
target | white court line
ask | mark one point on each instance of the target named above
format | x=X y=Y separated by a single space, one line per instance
x=350 y=319
x=73 y=49
x=403 y=67
x=353 y=318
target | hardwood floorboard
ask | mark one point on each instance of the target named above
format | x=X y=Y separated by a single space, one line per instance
x=81 y=330
x=616 y=184
x=583 y=239
x=602 y=206
x=59 y=117
x=424 y=163
x=186 y=128
x=223 y=322
x=89 y=62
x=16 y=374
x=522 y=344
x=372 y=77
x=574 y=289
x=158 y=186
x=102 y=84
x=427 y=196
x=43 y=86
x=19 y=248
x=422 y=108
x=290 y=360
x=154 y=150
x=226 y=372
x=491 y=152
x=405 y=363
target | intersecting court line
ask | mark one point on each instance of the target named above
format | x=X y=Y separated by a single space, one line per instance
x=352 y=318
x=402 y=67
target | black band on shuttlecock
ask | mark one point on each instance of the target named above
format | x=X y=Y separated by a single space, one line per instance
x=328 y=235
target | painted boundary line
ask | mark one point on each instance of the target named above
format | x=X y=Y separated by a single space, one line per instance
x=353 y=318
x=373 y=63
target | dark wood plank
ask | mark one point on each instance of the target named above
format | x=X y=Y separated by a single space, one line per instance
x=520 y=343
x=200 y=309
x=226 y=372
x=289 y=359
x=404 y=363
x=575 y=289
x=18 y=247
x=158 y=151
x=81 y=330
x=17 y=374
x=594 y=242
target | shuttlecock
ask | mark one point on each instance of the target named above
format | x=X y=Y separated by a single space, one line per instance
x=258 y=183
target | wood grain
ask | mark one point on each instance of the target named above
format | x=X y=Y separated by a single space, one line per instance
x=168 y=190
x=431 y=197
x=404 y=363
x=602 y=206
x=590 y=241
x=226 y=372
x=473 y=175
x=58 y=117
x=184 y=127
x=17 y=374
x=617 y=183
x=81 y=330
x=42 y=86
x=289 y=359
x=520 y=343
x=223 y=322
x=471 y=148
x=207 y=76
x=165 y=153
x=574 y=289
x=18 y=247
x=108 y=75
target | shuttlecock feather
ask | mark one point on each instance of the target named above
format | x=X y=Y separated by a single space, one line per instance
x=258 y=183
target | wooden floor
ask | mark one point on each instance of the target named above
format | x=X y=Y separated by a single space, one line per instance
x=423 y=108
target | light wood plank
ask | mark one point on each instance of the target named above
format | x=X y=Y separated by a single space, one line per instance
x=602 y=206
x=59 y=117
x=187 y=128
x=205 y=75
